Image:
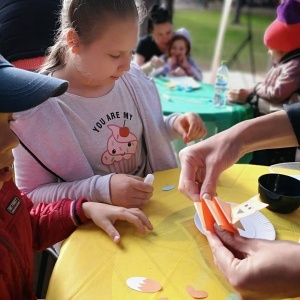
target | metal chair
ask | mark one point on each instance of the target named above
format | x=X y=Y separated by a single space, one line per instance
x=44 y=271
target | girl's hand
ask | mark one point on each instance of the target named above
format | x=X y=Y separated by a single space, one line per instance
x=178 y=72
x=129 y=191
x=172 y=62
x=239 y=95
x=185 y=64
x=105 y=215
x=190 y=126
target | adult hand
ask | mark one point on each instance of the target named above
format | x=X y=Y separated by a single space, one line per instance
x=190 y=126
x=202 y=164
x=105 y=215
x=156 y=62
x=129 y=191
x=239 y=95
x=262 y=269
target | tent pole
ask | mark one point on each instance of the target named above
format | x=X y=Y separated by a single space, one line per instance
x=220 y=39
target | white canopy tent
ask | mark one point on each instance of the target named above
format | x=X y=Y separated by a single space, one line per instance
x=219 y=43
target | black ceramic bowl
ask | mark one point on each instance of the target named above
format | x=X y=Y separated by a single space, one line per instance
x=281 y=192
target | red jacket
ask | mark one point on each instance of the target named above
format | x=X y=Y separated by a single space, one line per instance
x=24 y=230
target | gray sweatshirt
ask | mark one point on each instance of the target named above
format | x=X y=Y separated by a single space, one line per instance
x=86 y=140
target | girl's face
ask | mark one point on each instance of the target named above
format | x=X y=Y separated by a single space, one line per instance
x=276 y=55
x=162 y=34
x=178 y=49
x=8 y=141
x=102 y=62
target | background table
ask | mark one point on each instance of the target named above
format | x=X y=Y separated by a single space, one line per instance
x=90 y=266
x=200 y=101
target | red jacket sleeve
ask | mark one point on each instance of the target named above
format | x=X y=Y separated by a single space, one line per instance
x=54 y=222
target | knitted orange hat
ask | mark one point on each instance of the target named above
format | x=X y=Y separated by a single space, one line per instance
x=284 y=33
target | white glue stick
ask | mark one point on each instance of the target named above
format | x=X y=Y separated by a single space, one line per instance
x=149 y=179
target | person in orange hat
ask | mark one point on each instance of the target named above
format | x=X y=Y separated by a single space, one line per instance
x=282 y=83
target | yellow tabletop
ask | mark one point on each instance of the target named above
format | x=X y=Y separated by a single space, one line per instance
x=90 y=266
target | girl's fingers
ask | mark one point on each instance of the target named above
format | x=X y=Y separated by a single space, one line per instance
x=109 y=228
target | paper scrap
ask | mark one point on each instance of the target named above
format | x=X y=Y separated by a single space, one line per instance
x=143 y=284
x=196 y=294
x=185 y=82
x=168 y=187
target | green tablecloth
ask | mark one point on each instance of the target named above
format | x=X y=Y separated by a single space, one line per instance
x=200 y=101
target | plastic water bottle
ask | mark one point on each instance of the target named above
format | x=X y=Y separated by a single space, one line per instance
x=221 y=85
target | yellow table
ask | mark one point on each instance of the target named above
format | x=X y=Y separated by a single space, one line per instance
x=90 y=266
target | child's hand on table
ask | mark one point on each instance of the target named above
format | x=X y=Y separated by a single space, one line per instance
x=105 y=215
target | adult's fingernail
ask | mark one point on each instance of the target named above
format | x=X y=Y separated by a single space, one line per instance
x=206 y=196
x=218 y=228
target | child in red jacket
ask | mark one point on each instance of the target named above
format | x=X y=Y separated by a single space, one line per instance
x=22 y=228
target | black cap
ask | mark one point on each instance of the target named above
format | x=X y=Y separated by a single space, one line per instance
x=21 y=90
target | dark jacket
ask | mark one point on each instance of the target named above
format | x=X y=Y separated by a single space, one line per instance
x=27 y=27
x=293 y=112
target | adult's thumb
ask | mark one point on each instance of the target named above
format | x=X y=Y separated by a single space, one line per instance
x=209 y=185
x=233 y=241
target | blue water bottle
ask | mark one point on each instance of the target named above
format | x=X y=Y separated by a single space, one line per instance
x=221 y=86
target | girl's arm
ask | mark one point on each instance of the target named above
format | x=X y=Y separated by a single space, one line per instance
x=195 y=70
x=42 y=186
x=54 y=222
x=285 y=85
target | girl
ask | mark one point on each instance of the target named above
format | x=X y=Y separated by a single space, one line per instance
x=178 y=61
x=107 y=132
x=24 y=229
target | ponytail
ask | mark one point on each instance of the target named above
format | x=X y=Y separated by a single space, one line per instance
x=55 y=58
x=89 y=19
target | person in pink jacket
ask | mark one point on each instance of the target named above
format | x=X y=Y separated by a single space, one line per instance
x=282 y=83
x=23 y=229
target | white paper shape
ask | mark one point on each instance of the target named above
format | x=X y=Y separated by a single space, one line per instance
x=143 y=284
x=255 y=226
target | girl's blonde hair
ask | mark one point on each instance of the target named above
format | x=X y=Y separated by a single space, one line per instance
x=89 y=18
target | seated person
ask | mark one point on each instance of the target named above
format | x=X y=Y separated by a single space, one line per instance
x=178 y=61
x=282 y=84
x=155 y=43
x=109 y=130
x=27 y=29
x=25 y=230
